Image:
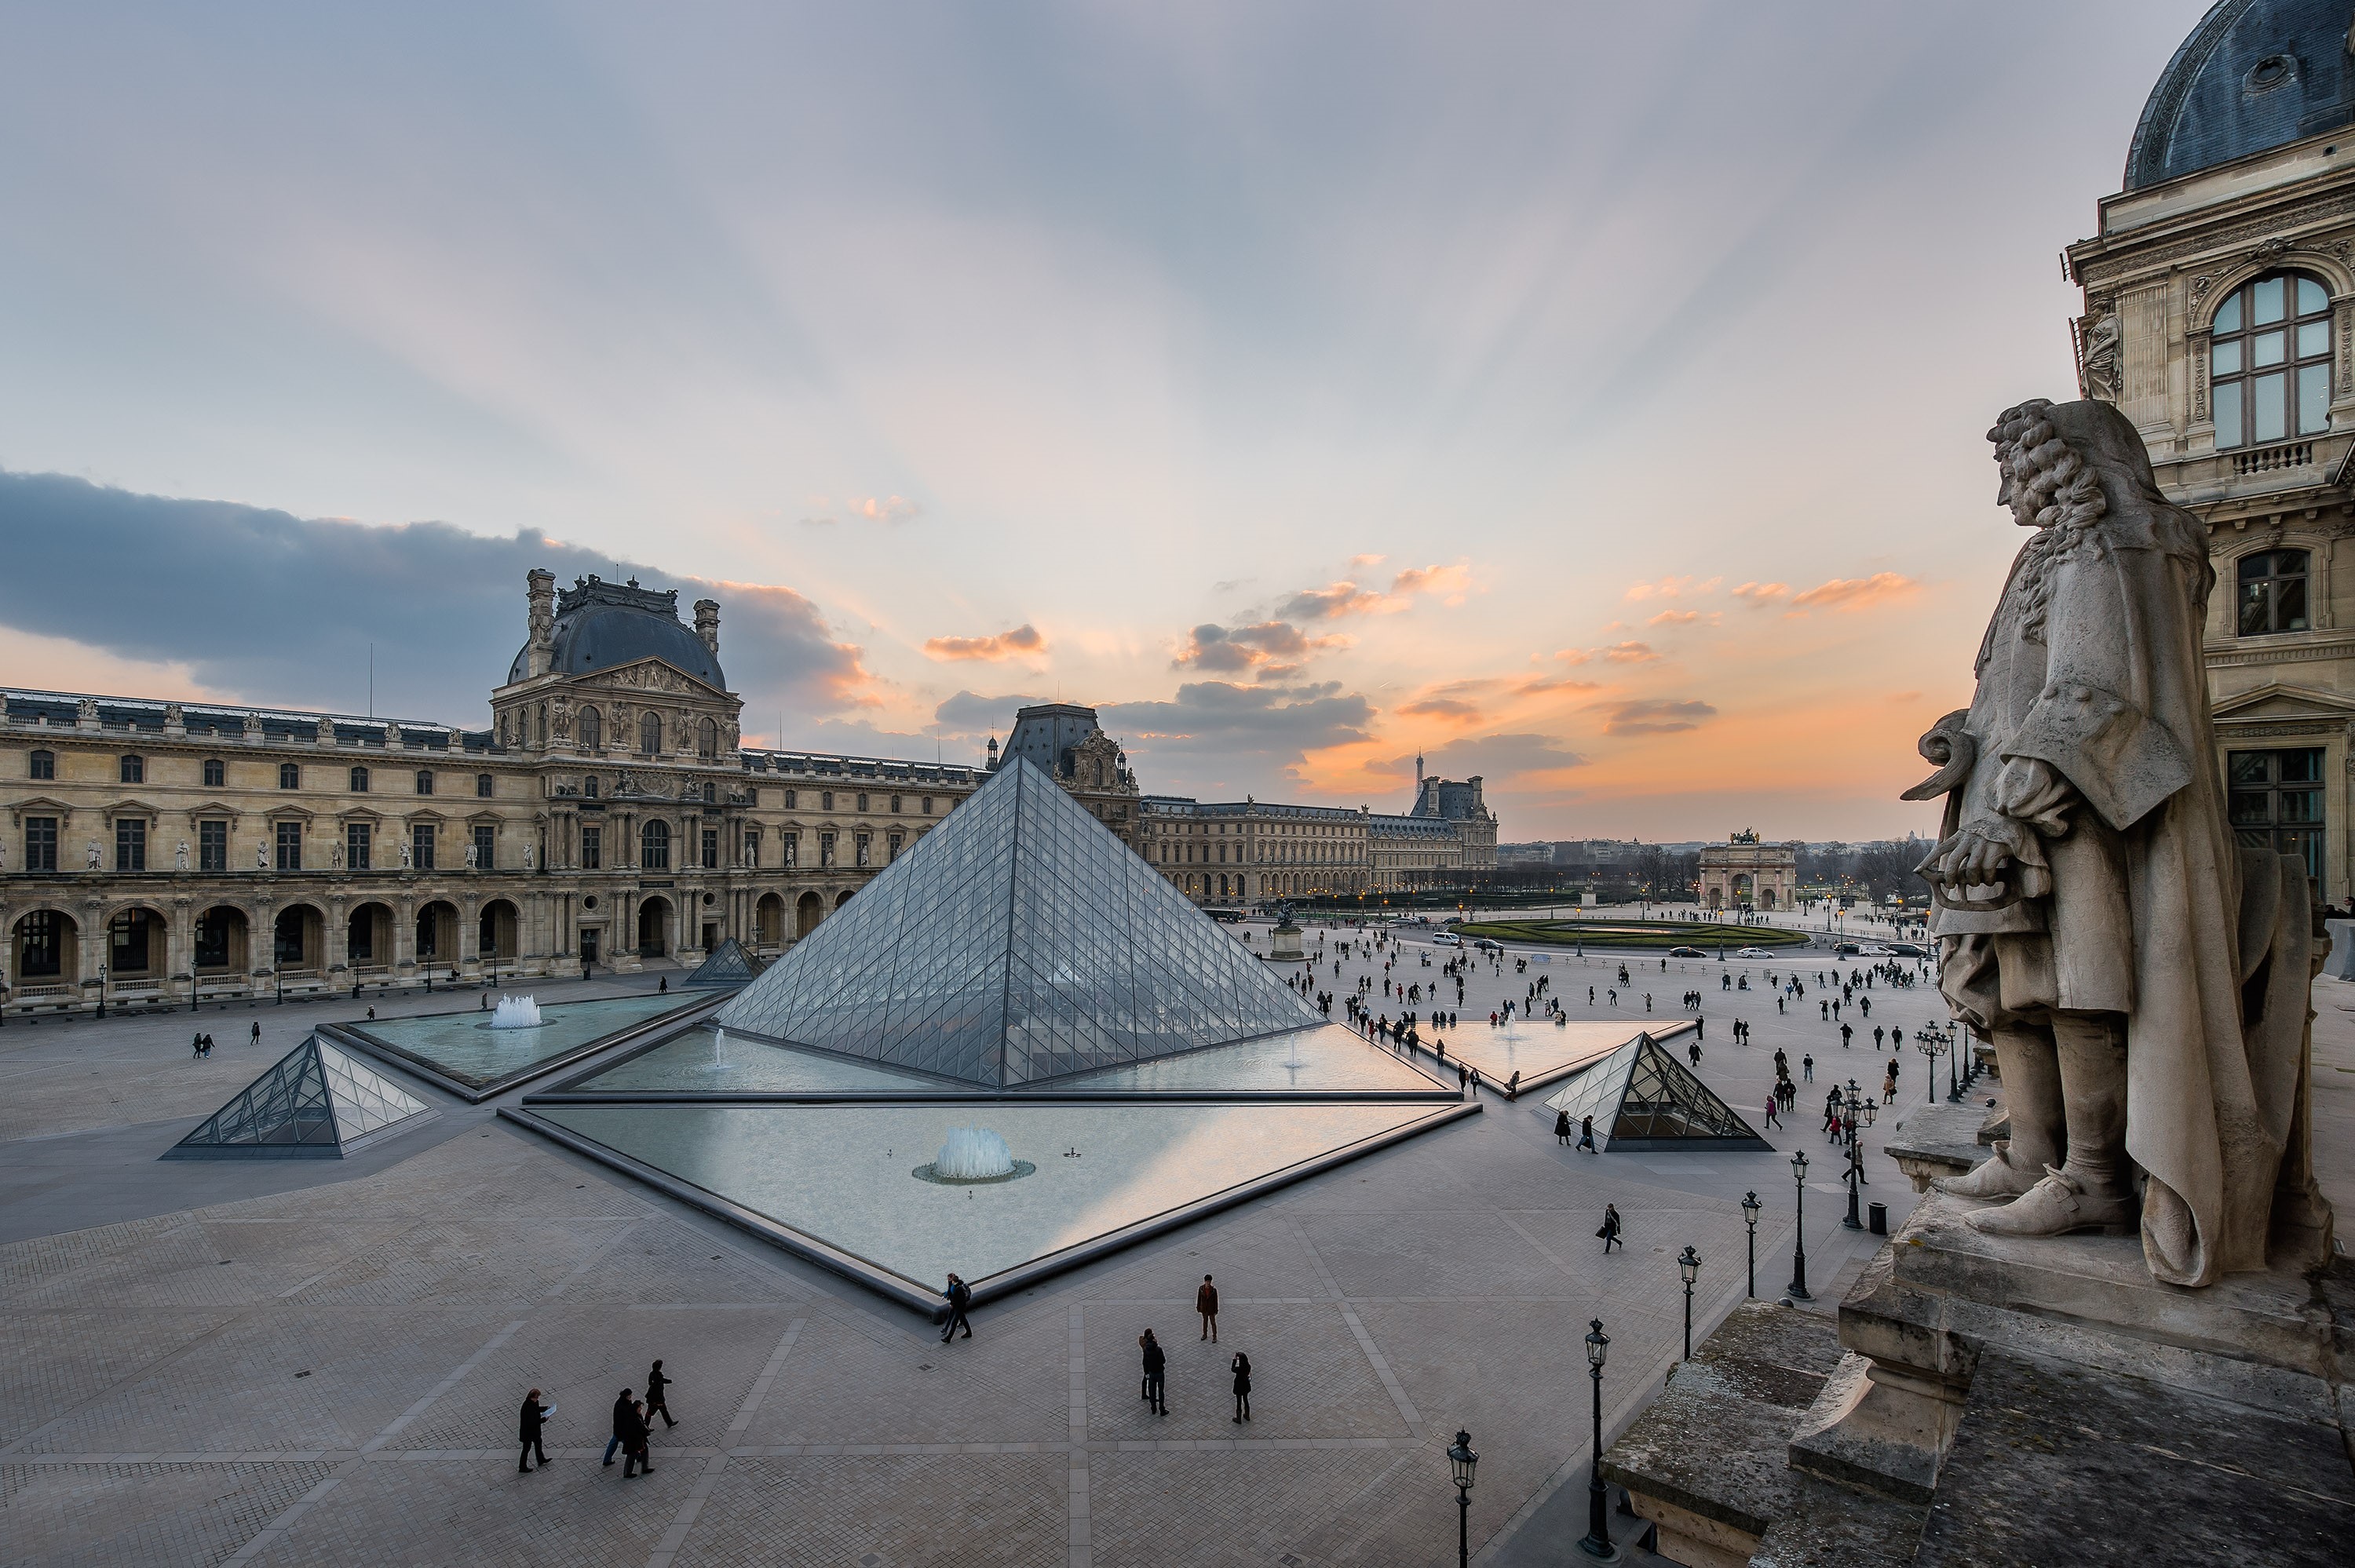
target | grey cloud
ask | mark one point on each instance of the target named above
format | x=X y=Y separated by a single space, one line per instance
x=970 y=713
x=273 y=607
x=1655 y=715
x=1493 y=756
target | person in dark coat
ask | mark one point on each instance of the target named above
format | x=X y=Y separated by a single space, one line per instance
x=1241 y=1368
x=1206 y=1302
x=621 y=1408
x=635 y=1435
x=527 y=1429
x=658 y=1397
x=1586 y=1135
x=1610 y=1231
x=1561 y=1127
x=959 y=1296
x=1156 y=1363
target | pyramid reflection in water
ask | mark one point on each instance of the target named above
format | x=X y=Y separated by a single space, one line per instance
x=1019 y=940
x=316 y=1103
x=1643 y=1098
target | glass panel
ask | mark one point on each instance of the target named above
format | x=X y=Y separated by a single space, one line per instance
x=2300 y=806
x=2251 y=809
x=2228 y=319
x=2265 y=301
x=2300 y=767
x=2289 y=604
x=2267 y=347
x=2268 y=409
x=2226 y=359
x=2310 y=297
x=2228 y=414
x=2313 y=338
x=2305 y=844
x=2313 y=398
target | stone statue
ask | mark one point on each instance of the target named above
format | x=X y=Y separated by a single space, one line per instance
x=2144 y=980
x=261 y=857
x=180 y=856
x=405 y=857
x=526 y=857
x=91 y=861
x=334 y=856
x=470 y=857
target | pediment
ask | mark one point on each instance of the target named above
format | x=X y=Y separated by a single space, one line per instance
x=2275 y=700
x=647 y=677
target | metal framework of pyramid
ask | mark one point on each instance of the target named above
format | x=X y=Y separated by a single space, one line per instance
x=1018 y=941
x=728 y=964
x=1643 y=1098
x=317 y=1103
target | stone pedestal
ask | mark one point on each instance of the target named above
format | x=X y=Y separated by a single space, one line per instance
x=2340 y=963
x=1283 y=945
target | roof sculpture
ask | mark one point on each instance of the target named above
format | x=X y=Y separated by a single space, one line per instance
x=1019 y=940
x=315 y=1103
x=2253 y=76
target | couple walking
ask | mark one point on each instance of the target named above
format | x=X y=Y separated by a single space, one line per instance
x=633 y=1425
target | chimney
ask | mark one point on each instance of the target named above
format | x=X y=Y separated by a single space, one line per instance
x=707 y=623
x=993 y=754
x=541 y=594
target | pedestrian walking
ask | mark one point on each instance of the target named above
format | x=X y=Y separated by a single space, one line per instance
x=1206 y=1302
x=1770 y=1110
x=197 y=1043
x=1610 y=1231
x=959 y=1296
x=527 y=1427
x=658 y=1397
x=635 y=1459
x=1586 y=1136
x=1561 y=1127
x=1156 y=1363
x=1694 y=1051
x=1807 y=1065
x=257 y=1032
x=621 y=1408
x=1240 y=1367
x=1846 y=1030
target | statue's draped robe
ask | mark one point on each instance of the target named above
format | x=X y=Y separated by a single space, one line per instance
x=2092 y=664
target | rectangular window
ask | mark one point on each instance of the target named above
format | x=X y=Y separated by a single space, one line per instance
x=44 y=765
x=711 y=849
x=212 y=941
x=2228 y=414
x=2268 y=408
x=825 y=850
x=290 y=776
x=2313 y=398
x=290 y=847
x=483 y=786
x=40 y=843
x=486 y=845
x=863 y=849
x=41 y=955
x=212 y=847
x=135 y=771
x=356 y=845
x=793 y=850
x=792 y=798
x=2275 y=802
x=753 y=847
x=421 y=845
x=928 y=805
x=126 y=942
x=593 y=849
x=891 y=847
x=131 y=844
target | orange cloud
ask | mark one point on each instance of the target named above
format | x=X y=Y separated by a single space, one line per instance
x=1024 y=642
x=1681 y=618
x=1670 y=587
x=1848 y=595
x=1443 y=708
x=1763 y=594
x=1628 y=653
x=1437 y=579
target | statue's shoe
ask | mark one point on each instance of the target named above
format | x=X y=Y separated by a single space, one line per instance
x=1996 y=1178
x=2055 y=1206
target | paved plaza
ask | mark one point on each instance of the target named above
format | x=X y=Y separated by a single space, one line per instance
x=321 y=1362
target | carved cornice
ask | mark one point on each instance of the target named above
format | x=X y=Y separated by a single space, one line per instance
x=2299 y=224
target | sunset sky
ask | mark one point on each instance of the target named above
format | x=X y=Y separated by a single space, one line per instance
x=1592 y=398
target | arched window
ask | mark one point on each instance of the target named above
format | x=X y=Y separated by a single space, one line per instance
x=650 y=735
x=424 y=782
x=483 y=786
x=862 y=799
x=593 y=730
x=45 y=764
x=216 y=773
x=2269 y=361
x=135 y=771
x=2272 y=592
x=654 y=846
x=825 y=800
x=359 y=780
x=290 y=776
x=707 y=740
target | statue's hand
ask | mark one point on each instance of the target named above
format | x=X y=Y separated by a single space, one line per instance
x=1979 y=855
x=2030 y=789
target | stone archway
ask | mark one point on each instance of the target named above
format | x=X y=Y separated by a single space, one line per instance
x=496 y=930
x=222 y=943
x=807 y=912
x=44 y=953
x=769 y=921
x=135 y=946
x=654 y=928
x=437 y=936
x=367 y=939
x=842 y=897
x=298 y=939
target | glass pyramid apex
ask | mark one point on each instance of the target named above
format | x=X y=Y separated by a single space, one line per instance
x=1018 y=941
x=1642 y=1098
x=728 y=964
x=314 y=1102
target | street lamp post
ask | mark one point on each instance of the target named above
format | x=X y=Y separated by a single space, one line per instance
x=1689 y=1267
x=1953 y=1043
x=1799 y=1290
x=1461 y=1460
x=1931 y=1044
x=102 y=990
x=1749 y=1208
x=1597 y=1543
x=1852 y=1104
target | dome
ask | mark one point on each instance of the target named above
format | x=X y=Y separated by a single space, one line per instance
x=603 y=626
x=2254 y=75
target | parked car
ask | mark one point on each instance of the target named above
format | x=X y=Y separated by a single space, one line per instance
x=1487 y=946
x=1845 y=949
x=1447 y=939
x=1908 y=951
x=1875 y=951
x=1754 y=953
x=1687 y=953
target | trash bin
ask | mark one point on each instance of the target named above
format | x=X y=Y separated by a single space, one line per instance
x=1877 y=1219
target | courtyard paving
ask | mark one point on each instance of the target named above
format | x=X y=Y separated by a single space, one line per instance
x=320 y=1362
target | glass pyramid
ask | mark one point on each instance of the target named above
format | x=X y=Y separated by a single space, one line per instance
x=728 y=964
x=1018 y=941
x=1642 y=1098
x=316 y=1103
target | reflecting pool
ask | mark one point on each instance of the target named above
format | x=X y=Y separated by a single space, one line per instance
x=464 y=1047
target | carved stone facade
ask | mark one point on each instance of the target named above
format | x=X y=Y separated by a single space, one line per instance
x=2192 y=288
x=1744 y=872
x=154 y=852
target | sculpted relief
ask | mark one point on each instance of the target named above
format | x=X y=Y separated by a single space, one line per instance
x=2145 y=979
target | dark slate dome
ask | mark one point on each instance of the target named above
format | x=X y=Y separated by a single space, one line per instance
x=2254 y=75
x=602 y=626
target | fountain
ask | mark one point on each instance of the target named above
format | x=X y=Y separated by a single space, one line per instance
x=516 y=1012
x=973 y=1154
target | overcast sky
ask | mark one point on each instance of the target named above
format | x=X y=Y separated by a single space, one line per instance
x=1592 y=398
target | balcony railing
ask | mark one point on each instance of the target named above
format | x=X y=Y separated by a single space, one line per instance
x=2265 y=460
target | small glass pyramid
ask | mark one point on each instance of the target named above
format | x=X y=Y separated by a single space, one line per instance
x=728 y=964
x=316 y=1103
x=1020 y=940
x=1641 y=1098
